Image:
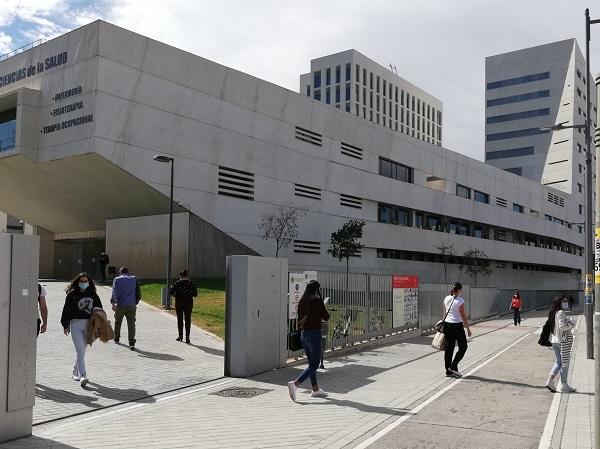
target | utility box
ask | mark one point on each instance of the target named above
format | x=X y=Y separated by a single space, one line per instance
x=19 y=262
x=255 y=315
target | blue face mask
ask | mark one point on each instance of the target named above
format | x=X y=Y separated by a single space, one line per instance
x=83 y=285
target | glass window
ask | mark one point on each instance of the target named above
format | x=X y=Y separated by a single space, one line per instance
x=384 y=88
x=348 y=71
x=395 y=170
x=371 y=80
x=481 y=197
x=518 y=80
x=364 y=77
x=384 y=213
x=419 y=220
x=337 y=94
x=318 y=94
x=513 y=134
x=463 y=191
x=462 y=229
x=8 y=129
x=520 y=115
x=338 y=74
x=348 y=106
x=580 y=209
x=327 y=77
x=513 y=152
x=518 y=98
x=328 y=95
x=518 y=208
x=357 y=73
x=347 y=91
x=377 y=83
x=317 y=79
x=434 y=223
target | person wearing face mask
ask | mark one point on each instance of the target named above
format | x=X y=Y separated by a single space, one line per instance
x=79 y=303
x=562 y=343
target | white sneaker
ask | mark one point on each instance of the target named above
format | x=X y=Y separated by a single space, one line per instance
x=550 y=385
x=566 y=388
x=319 y=394
x=292 y=390
x=84 y=380
x=455 y=372
x=76 y=377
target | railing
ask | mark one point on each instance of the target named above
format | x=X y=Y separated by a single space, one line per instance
x=7 y=144
x=21 y=49
x=361 y=307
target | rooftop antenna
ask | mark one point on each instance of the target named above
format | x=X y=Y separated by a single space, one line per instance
x=393 y=69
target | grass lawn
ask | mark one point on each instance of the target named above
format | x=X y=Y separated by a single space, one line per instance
x=209 y=306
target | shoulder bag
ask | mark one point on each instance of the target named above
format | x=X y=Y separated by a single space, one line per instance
x=439 y=340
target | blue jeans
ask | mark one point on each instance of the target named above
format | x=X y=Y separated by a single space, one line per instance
x=311 y=342
x=558 y=364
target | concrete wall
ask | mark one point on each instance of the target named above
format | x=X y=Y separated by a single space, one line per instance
x=46 y=253
x=18 y=314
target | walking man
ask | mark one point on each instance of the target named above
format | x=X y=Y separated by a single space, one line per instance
x=125 y=297
x=515 y=305
x=104 y=261
x=184 y=291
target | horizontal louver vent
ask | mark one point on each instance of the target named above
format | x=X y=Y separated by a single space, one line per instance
x=555 y=199
x=309 y=136
x=501 y=202
x=236 y=183
x=307 y=191
x=352 y=151
x=305 y=246
x=350 y=201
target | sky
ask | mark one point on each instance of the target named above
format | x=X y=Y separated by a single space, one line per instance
x=438 y=45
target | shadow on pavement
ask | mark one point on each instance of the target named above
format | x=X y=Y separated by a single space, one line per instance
x=208 y=350
x=365 y=407
x=55 y=395
x=157 y=355
x=35 y=442
x=503 y=382
x=120 y=394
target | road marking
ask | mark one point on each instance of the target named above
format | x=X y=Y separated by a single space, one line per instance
x=546 y=440
x=422 y=405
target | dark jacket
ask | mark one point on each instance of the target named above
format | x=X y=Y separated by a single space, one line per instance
x=311 y=311
x=184 y=289
x=79 y=305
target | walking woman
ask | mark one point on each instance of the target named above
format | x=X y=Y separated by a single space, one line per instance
x=515 y=306
x=454 y=328
x=79 y=303
x=311 y=311
x=562 y=342
x=184 y=291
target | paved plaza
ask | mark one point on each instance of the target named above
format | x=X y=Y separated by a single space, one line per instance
x=392 y=396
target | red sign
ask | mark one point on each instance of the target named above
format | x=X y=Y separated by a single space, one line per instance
x=399 y=281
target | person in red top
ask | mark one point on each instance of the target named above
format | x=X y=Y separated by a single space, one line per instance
x=515 y=306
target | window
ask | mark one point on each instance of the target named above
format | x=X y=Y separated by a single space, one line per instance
x=518 y=208
x=579 y=187
x=580 y=209
x=518 y=98
x=357 y=73
x=578 y=92
x=513 y=134
x=364 y=77
x=516 y=170
x=347 y=91
x=317 y=79
x=328 y=95
x=518 y=80
x=371 y=80
x=377 y=86
x=327 y=77
x=396 y=215
x=384 y=88
x=580 y=168
x=463 y=191
x=308 y=90
x=518 y=115
x=348 y=106
x=8 y=129
x=348 y=71
x=513 y=152
x=338 y=74
x=337 y=94
x=481 y=197
x=395 y=170
x=318 y=95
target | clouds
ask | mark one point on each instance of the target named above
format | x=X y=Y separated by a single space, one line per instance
x=439 y=46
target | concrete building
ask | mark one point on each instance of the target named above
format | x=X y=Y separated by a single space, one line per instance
x=354 y=83
x=91 y=108
x=538 y=87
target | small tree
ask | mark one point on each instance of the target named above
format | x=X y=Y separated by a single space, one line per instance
x=446 y=251
x=344 y=243
x=281 y=226
x=475 y=264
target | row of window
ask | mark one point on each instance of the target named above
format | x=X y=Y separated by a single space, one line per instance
x=518 y=115
x=338 y=76
x=512 y=152
x=385 y=253
x=397 y=215
x=518 y=80
x=518 y=98
x=513 y=134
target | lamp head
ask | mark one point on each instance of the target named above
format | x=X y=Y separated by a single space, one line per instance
x=165 y=159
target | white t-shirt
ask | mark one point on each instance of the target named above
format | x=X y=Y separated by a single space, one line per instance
x=454 y=314
x=42 y=291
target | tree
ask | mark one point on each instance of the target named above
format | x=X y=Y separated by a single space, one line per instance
x=446 y=251
x=475 y=264
x=281 y=226
x=344 y=242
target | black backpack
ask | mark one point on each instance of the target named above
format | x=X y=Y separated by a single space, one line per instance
x=545 y=335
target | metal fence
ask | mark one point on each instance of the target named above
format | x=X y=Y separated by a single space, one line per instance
x=361 y=306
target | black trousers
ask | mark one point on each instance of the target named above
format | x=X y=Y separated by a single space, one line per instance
x=455 y=333
x=516 y=315
x=183 y=308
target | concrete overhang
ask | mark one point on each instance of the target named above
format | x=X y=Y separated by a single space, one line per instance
x=74 y=194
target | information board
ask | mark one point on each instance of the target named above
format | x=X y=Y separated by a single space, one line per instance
x=405 y=300
x=297 y=286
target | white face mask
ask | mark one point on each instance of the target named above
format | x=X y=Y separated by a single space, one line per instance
x=564 y=306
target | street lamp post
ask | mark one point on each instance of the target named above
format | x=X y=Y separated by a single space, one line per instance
x=167 y=299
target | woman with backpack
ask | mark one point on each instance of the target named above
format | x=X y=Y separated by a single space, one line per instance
x=311 y=311
x=79 y=304
x=455 y=322
x=561 y=338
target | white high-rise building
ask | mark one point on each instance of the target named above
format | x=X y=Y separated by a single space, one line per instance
x=350 y=81
x=532 y=88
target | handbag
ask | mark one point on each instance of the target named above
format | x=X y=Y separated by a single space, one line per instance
x=294 y=343
x=439 y=339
